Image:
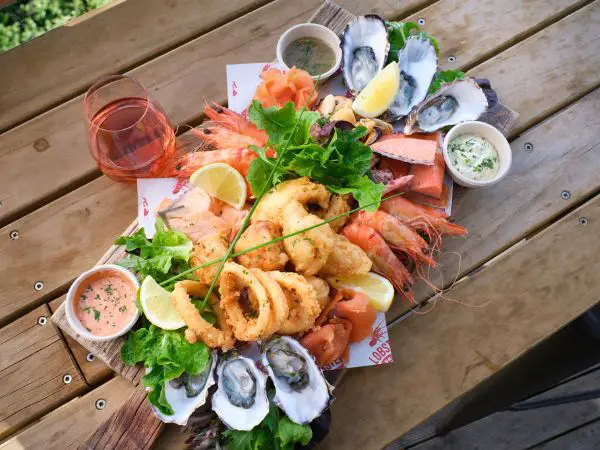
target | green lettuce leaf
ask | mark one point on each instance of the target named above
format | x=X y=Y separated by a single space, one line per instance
x=445 y=76
x=168 y=355
x=290 y=433
x=398 y=32
x=161 y=258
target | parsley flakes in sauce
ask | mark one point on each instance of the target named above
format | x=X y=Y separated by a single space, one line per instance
x=474 y=157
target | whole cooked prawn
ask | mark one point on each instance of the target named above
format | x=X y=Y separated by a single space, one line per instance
x=384 y=260
x=422 y=218
x=398 y=235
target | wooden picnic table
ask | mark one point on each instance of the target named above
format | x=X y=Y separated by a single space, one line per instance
x=528 y=266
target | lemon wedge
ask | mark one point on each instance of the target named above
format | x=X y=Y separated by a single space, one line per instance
x=223 y=182
x=377 y=96
x=379 y=290
x=158 y=307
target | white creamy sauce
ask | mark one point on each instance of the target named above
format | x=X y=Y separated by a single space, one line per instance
x=474 y=157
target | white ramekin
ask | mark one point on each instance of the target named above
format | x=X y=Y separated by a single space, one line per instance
x=70 y=305
x=494 y=137
x=312 y=30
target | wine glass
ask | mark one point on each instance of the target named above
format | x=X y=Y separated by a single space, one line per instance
x=128 y=133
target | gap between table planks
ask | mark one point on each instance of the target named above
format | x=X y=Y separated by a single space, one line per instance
x=33 y=364
x=94 y=371
x=70 y=213
x=65 y=61
x=52 y=145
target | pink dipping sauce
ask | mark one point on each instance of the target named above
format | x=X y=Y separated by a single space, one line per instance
x=105 y=302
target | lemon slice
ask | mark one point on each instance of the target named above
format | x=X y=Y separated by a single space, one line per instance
x=377 y=96
x=223 y=182
x=158 y=307
x=379 y=290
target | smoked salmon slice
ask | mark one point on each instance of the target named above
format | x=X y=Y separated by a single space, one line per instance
x=329 y=342
x=397 y=167
x=277 y=88
x=358 y=311
x=416 y=149
x=429 y=180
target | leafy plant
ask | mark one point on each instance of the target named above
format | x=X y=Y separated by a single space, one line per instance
x=341 y=165
x=445 y=76
x=276 y=431
x=166 y=255
x=167 y=354
x=398 y=32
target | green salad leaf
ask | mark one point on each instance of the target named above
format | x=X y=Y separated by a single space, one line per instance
x=398 y=32
x=341 y=166
x=445 y=76
x=168 y=355
x=167 y=254
x=276 y=431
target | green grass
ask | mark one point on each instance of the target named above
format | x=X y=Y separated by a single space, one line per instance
x=27 y=19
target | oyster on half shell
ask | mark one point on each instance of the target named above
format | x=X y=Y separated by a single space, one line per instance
x=187 y=393
x=365 y=48
x=301 y=391
x=418 y=63
x=241 y=400
x=454 y=103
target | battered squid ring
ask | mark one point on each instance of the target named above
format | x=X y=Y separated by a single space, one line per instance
x=302 y=302
x=234 y=280
x=279 y=304
x=198 y=327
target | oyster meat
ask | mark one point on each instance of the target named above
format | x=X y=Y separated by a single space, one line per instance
x=187 y=393
x=241 y=400
x=418 y=63
x=454 y=103
x=365 y=48
x=301 y=391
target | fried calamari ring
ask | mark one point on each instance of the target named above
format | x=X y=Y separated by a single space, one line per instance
x=345 y=258
x=249 y=321
x=308 y=251
x=208 y=248
x=321 y=288
x=302 y=302
x=279 y=305
x=271 y=257
x=221 y=337
x=302 y=190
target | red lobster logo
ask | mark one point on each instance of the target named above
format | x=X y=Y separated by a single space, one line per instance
x=377 y=334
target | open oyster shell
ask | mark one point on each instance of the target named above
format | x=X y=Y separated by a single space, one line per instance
x=187 y=393
x=454 y=103
x=241 y=400
x=301 y=391
x=418 y=63
x=365 y=48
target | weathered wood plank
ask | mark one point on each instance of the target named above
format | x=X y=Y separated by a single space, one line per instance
x=523 y=429
x=54 y=147
x=53 y=248
x=586 y=437
x=95 y=371
x=443 y=354
x=563 y=158
x=63 y=62
x=33 y=364
x=133 y=425
x=68 y=426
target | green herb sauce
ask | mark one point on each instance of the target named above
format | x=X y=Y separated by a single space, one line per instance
x=474 y=157
x=310 y=54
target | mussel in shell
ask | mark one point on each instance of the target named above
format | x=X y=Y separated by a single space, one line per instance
x=455 y=102
x=365 y=48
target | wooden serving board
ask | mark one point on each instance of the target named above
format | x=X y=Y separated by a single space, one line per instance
x=115 y=428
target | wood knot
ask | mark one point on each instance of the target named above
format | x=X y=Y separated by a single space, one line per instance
x=41 y=145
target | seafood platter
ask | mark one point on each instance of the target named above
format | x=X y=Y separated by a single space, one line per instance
x=271 y=253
